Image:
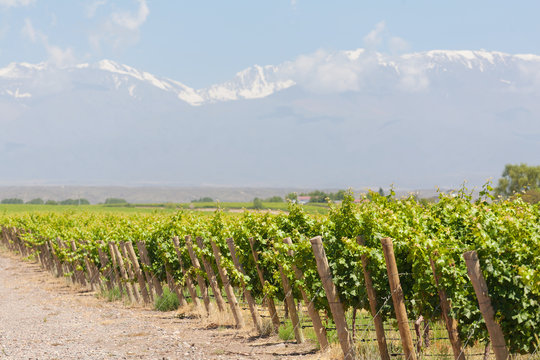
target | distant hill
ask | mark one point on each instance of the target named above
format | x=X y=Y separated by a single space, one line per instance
x=324 y=120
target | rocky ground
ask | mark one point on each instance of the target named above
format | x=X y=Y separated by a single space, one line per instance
x=43 y=317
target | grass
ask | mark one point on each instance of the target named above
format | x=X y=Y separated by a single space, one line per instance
x=167 y=302
x=286 y=331
x=111 y=295
x=321 y=208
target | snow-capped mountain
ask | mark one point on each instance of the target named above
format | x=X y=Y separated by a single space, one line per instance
x=357 y=70
x=348 y=118
x=252 y=83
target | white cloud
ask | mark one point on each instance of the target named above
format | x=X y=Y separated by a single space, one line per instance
x=14 y=3
x=380 y=39
x=29 y=31
x=132 y=21
x=56 y=55
x=91 y=8
x=374 y=38
x=121 y=29
x=359 y=70
x=362 y=69
x=397 y=45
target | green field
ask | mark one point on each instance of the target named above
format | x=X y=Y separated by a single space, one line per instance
x=159 y=208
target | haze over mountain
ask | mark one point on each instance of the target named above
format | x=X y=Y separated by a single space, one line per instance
x=350 y=118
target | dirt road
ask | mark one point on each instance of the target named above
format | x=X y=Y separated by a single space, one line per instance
x=42 y=317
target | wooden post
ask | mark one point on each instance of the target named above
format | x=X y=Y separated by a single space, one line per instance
x=138 y=272
x=189 y=283
x=398 y=300
x=105 y=266
x=78 y=273
x=372 y=297
x=450 y=322
x=233 y=302
x=418 y=331
x=336 y=307
x=320 y=330
x=247 y=293
x=484 y=301
x=269 y=300
x=90 y=271
x=130 y=272
x=200 y=279
x=58 y=263
x=96 y=275
x=289 y=299
x=211 y=277
x=153 y=282
x=174 y=287
x=115 y=266
x=123 y=272
x=68 y=265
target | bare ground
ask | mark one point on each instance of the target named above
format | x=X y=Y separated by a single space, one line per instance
x=42 y=317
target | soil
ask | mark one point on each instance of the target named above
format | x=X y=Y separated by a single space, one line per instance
x=43 y=317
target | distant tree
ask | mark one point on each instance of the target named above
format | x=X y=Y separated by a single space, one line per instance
x=274 y=199
x=257 y=203
x=37 y=201
x=292 y=196
x=381 y=191
x=12 y=201
x=317 y=196
x=204 y=199
x=80 y=201
x=339 y=195
x=531 y=196
x=51 y=202
x=113 y=201
x=517 y=178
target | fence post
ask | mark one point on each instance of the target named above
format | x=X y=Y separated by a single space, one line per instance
x=104 y=261
x=173 y=286
x=78 y=273
x=336 y=307
x=251 y=303
x=289 y=299
x=484 y=301
x=59 y=272
x=372 y=297
x=233 y=302
x=398 y=300
x=129 y=268
x=200 y=279
x=450 y=322
x=123 y=272
x=211 y=277
x=269 y=300
x=151 y=279
x=138 y=272
x=115 y=266
x=318 y=327
x=189 y=283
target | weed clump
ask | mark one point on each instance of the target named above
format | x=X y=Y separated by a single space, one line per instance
x=167 y=302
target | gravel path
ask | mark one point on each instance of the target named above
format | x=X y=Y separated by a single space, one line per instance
x=42 y=317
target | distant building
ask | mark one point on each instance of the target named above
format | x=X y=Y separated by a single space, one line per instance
x=303 y=199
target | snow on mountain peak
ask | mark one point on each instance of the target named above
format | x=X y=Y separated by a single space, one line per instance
x=352 y=70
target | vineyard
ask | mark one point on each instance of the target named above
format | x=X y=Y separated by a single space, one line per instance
x=405 y=279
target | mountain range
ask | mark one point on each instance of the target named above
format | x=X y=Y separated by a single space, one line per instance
x=329 y=119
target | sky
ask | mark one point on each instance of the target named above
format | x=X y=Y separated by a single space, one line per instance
x=205 y=42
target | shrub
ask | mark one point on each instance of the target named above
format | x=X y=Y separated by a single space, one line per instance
x=12 y=201
x=111 y=201
x=167 y=302
x=37 y=201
